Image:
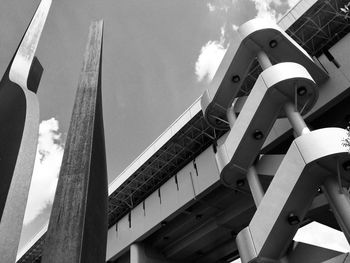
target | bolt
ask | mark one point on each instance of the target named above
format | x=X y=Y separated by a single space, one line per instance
x=273 y=43
x=236 y=78
x=293 y=219
x=258 y=135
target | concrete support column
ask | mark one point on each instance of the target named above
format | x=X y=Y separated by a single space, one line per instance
x=264 y=60
x=77 y=231
x=340 y=204
x=231 y=116
x=255 y=185
x=295 y=119
x=139 y=253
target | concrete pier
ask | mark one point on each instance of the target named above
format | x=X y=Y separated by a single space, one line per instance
x=78 y=225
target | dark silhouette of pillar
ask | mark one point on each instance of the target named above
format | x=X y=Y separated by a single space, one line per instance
x=78 y=225
x=19 y=125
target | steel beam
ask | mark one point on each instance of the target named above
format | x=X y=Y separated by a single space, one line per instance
x=77 y=229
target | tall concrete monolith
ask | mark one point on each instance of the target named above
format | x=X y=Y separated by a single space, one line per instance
x=19 y=125
x=78 y=225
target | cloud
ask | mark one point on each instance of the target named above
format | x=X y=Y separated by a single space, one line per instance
x=211 y=7
x=265 y=10
x=235 y=27
x=210 y=58
x=273 y=9
x=220 y=5
x=46 y=169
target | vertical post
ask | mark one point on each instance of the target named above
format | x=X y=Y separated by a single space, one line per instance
x=78 y=225
x=19 y=122
x=231 y=116
x=255 y=185
x=295 y=119
x=339 y=203
x=263 y=59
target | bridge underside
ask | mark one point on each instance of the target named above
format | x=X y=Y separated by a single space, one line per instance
x=205 y=230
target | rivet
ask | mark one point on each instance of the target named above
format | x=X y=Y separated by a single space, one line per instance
x=293 y=219
x=258 y=135
x=240 y=183
x=236 y=78
x=301 y=91
x=273 y=43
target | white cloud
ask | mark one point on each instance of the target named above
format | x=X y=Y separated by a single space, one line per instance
x=220 y=5
x=211 y=7
x=46 y=169
x=210 y=57
x=264 y=9
x=235 y=27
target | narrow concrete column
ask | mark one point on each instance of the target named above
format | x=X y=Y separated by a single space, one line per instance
x=231 y=116
x=340 y=204
x=264 y=60
x=295 y=119
x=19 y=125
x=77 y=231
x=255 y=185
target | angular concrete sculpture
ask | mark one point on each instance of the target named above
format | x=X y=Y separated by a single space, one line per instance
x=78 y=225
x=19 y=124
x=274 y=87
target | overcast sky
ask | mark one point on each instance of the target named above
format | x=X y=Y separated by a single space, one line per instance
x=158 y=57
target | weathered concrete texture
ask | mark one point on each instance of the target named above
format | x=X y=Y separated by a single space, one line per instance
x=77 y=230
x=19 y=124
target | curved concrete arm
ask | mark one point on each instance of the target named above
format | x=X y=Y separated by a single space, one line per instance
x=257 y=35
x=19 y=122
x=274 y=87
x=23 y=60
x=309 y=161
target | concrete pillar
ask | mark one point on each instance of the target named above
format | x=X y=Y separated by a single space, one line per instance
x=263 y=59
x=78 y=225
x=19 y=125
x=255 y=185
x=340 y=204
x=296 y=120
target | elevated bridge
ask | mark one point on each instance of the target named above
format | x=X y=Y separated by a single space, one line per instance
x=172 y=204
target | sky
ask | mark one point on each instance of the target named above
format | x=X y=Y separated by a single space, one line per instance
x=158 y=57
